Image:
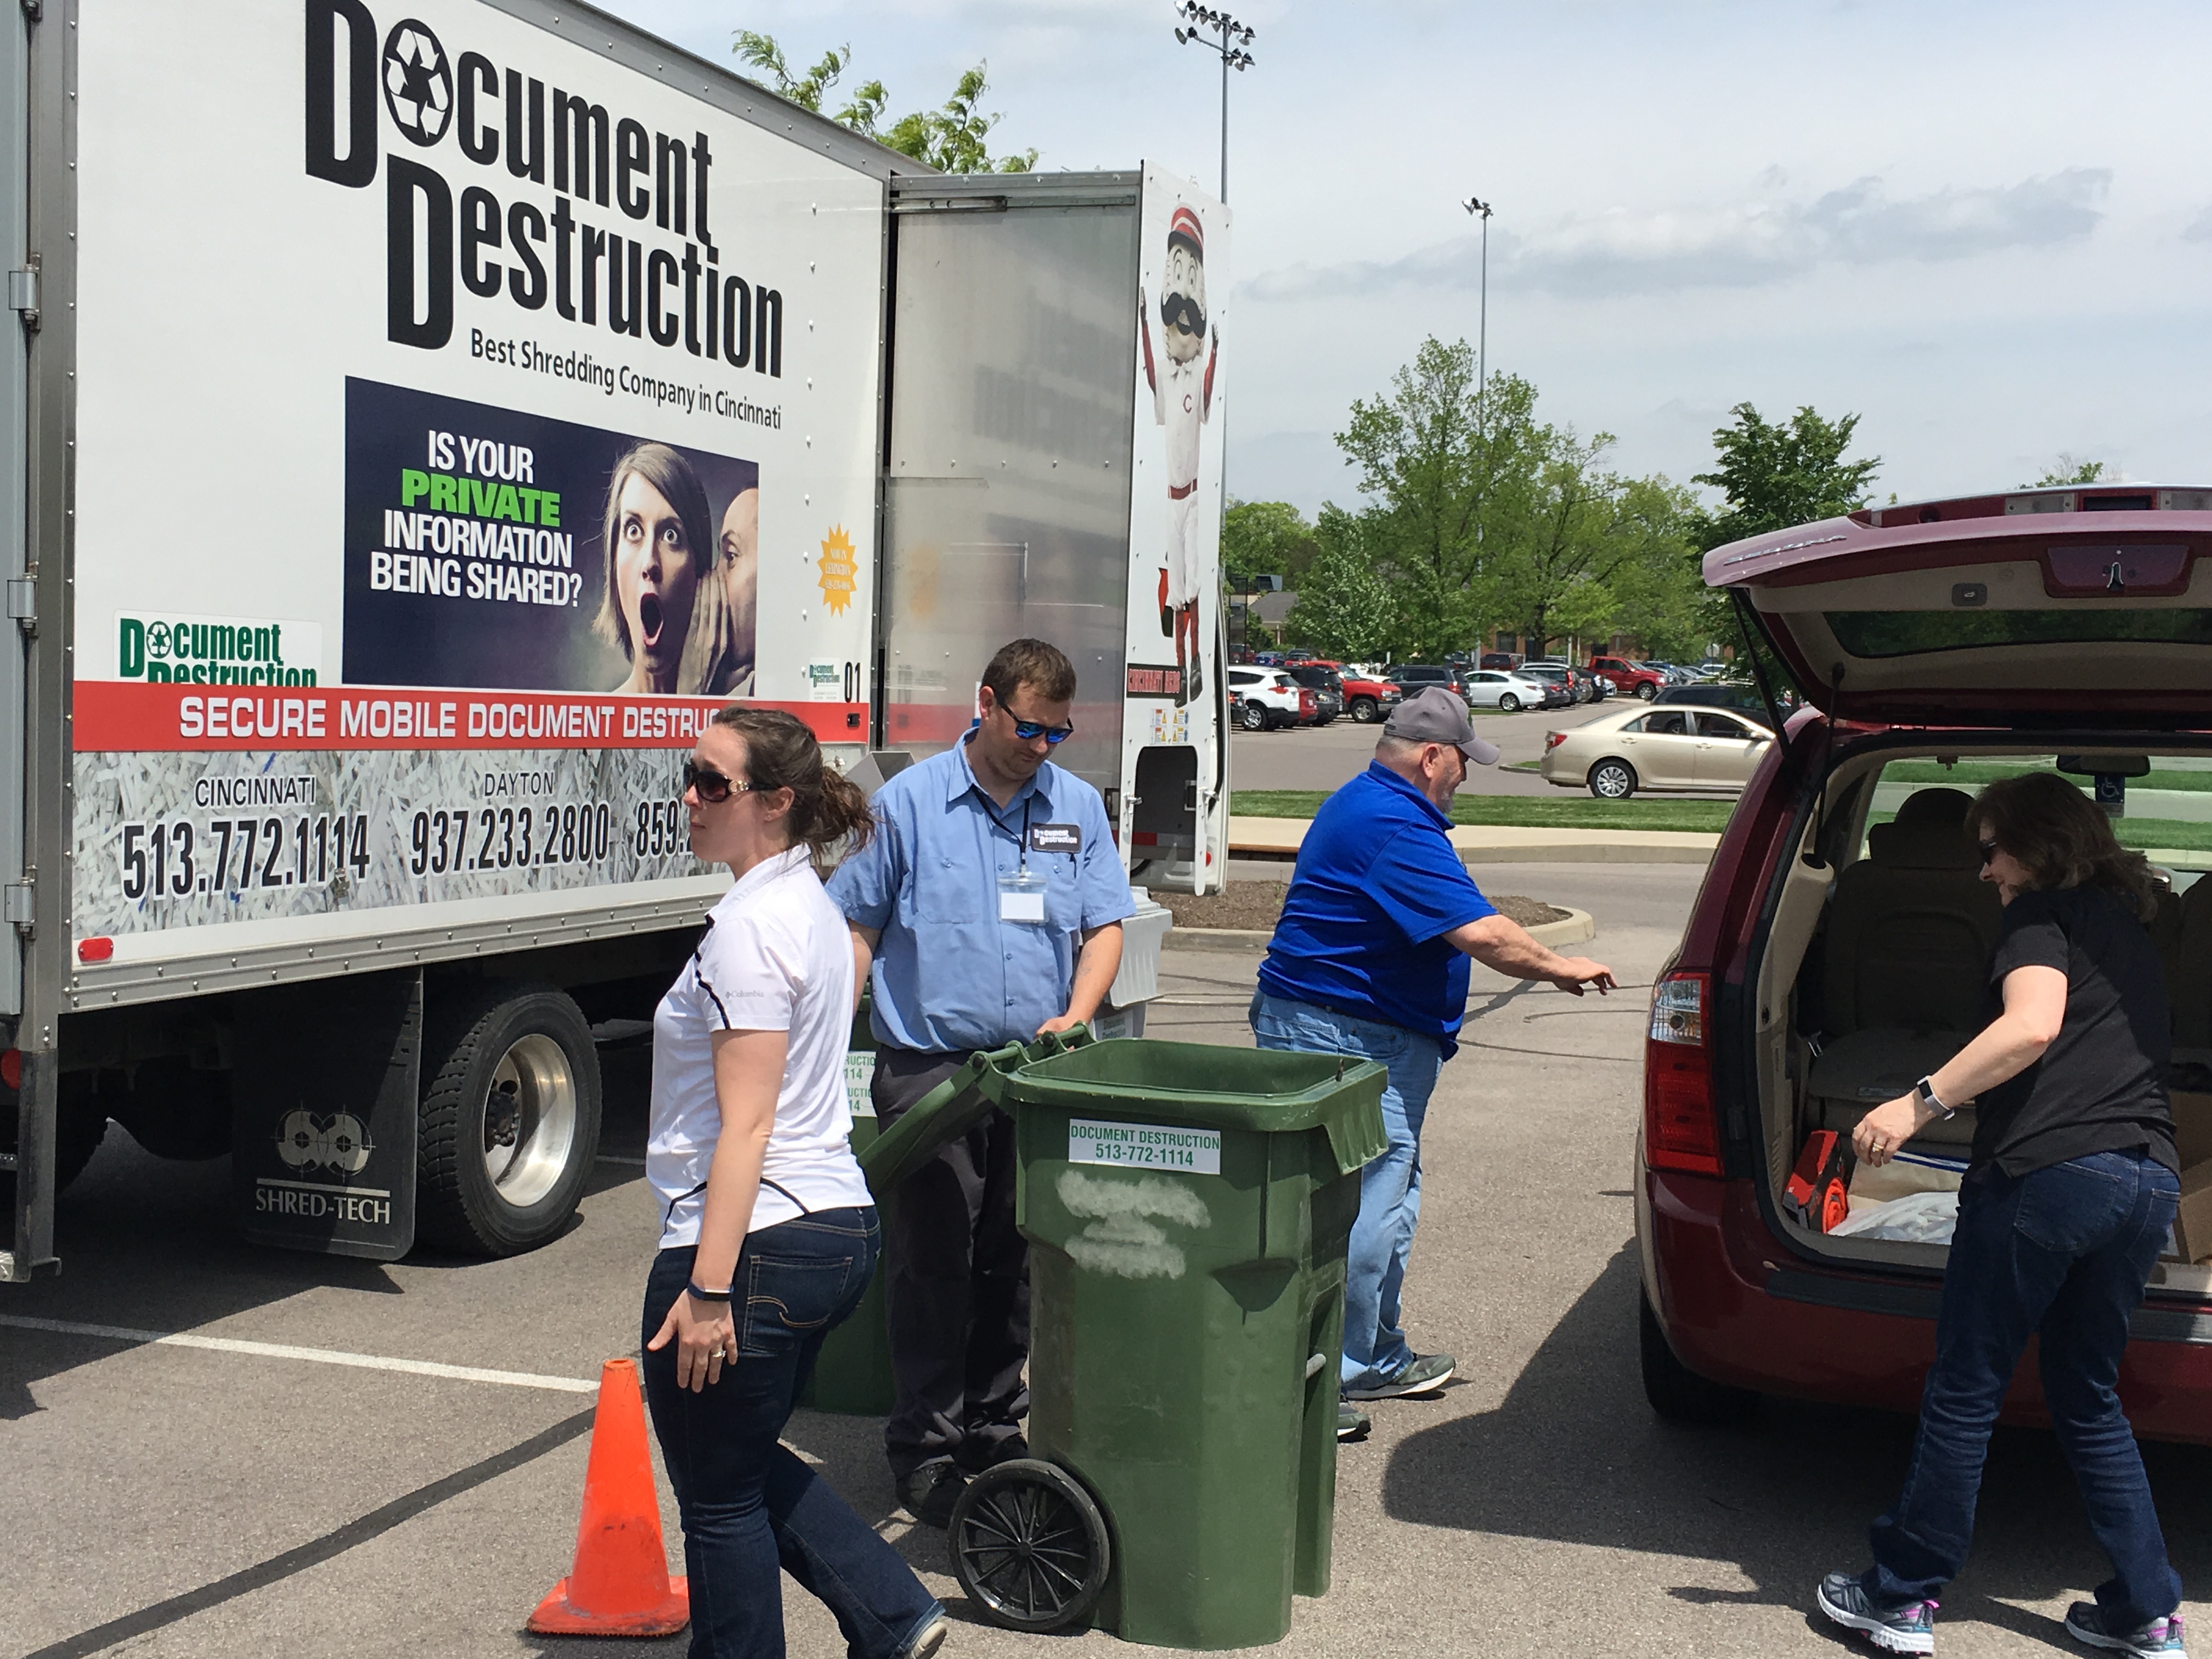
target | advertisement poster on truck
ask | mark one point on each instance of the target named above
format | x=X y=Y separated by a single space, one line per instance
x=1174 y=674
x=534 y=411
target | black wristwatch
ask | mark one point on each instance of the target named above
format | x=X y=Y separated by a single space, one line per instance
x=1926 y=1090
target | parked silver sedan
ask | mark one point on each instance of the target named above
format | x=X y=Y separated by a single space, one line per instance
x=1667 y=747
x=1488 y=688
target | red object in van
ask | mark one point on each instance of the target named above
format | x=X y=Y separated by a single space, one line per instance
x=2072 y=625
x=1817 y=1193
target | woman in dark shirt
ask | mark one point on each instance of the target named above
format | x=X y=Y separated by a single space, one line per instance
x=2069 y=1197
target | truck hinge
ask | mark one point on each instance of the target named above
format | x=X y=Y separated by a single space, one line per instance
x=33 y=10
x=23 y=602
x=18 y=908
x=23 y=295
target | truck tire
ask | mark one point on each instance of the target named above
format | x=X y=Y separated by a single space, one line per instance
x=78 y=1133
x=1364 y=710
x=1678 y=1394
x=510 y=1118
x=1647 y=691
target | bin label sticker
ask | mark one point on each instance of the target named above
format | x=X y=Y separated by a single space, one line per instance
x=860 y=1074
x=1145 y=1147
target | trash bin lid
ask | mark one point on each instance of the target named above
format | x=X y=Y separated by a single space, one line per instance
x=1255 y=1091
x=951 y=1108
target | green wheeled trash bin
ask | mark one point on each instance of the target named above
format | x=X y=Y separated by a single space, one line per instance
x=852 y=1374
x=1187 y=1209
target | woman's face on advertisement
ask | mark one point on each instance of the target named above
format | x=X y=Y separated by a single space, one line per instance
x=739 y=563
x=654 y=579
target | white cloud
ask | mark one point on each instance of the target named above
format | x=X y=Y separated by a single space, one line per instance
x=1750 y=243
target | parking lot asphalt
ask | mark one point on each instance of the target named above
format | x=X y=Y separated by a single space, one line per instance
x=1324 y=756
x=174 y=1501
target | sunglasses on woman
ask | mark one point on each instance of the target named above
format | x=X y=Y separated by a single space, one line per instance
x=1990 y=850
x=713 y=788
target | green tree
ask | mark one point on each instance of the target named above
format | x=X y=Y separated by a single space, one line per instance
x=953 y=138
x=1264 y=538
x=1773 y=476
x=1447 y=467
x=1344 y=608
x=2068 y=470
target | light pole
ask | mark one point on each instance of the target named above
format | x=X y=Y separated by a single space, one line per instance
x=1233 y=37
x=1482 y=327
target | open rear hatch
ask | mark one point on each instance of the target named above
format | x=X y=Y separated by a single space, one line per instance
x=2081 y=607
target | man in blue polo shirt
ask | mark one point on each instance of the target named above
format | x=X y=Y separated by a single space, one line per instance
x=989 y=906
x=1370 y=958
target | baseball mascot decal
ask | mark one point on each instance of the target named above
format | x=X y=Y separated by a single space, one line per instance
x=1182 y=395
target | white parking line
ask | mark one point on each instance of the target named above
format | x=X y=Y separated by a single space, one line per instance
x=368 y=1362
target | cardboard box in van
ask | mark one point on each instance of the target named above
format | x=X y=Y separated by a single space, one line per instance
x=2192 y=1226
x=2193 y=1128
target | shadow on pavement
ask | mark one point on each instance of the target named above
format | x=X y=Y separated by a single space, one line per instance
x=1575 y=1455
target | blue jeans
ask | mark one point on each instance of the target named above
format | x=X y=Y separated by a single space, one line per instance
x=1375 y=1349
x=2064 y=1252
x=748 y=1505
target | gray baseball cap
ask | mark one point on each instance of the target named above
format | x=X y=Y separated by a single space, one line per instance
x=1437 y=715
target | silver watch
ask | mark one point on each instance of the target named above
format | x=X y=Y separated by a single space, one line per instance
x=1926 y=1090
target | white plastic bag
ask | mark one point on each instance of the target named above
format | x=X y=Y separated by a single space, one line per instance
x=1915 y=1219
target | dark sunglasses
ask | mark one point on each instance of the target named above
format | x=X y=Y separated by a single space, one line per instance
x=713 y=788
x=1030 y=731
x=1990 y=850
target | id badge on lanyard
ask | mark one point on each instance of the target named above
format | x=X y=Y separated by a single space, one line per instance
x=1021 y=894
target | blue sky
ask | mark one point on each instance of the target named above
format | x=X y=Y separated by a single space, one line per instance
x=1985 y=228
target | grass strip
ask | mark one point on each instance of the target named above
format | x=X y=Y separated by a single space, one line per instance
x=1522 y=812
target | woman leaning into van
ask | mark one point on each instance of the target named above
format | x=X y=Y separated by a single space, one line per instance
x=769 y=1237
x=2067 y=1201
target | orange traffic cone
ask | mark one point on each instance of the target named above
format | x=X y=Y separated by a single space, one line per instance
x=620 y=1584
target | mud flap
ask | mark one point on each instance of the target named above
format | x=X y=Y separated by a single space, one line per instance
x=328 y=1085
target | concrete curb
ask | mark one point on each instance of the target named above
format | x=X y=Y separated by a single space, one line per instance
x=1571 y=929
x=1279 y=838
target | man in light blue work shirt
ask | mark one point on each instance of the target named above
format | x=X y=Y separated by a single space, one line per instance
x=986 y=910
x=1370 y=958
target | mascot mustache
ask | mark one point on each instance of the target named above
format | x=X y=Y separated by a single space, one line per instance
x=1181 y=311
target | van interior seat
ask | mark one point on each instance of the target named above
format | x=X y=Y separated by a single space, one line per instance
x=2183 y=930
x=1910 y=931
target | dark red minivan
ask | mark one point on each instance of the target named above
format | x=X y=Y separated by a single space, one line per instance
x=1838 y=950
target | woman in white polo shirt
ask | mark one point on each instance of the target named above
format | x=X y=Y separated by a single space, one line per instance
x=768 y=1236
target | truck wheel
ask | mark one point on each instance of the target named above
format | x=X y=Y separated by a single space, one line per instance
x=1677 y=1392
x=78 y=1131
x=1252 y=717
x=510 y=1119
x=1647 y=691
x=1508 y=703
x=1364 y=710
x=1613 y=779
x=178 y=1113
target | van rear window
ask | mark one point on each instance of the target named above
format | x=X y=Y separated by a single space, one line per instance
x=1913 y=633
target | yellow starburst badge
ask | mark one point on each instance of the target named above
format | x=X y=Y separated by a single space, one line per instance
x=840 y=568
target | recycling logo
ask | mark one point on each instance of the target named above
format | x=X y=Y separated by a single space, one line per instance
x=157 y=642
x=339 y=1142
x=418 y=82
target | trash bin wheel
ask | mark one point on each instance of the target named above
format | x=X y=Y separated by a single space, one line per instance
x=1030 y=1545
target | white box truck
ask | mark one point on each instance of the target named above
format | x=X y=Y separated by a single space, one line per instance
x=414 y=424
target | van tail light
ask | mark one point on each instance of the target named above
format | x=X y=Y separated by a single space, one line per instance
x=1681 y=1130
x=1553 y=740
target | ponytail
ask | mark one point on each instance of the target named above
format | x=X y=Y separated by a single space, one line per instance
x=827 y=808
